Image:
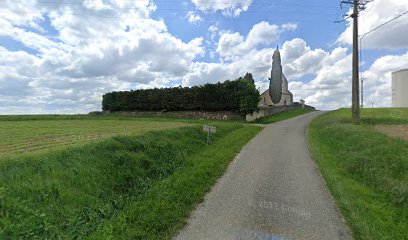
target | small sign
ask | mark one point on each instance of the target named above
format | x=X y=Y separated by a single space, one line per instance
x=209 y=129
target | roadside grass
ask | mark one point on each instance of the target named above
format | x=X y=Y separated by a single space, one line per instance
x=165 y=208
x=26 y=136
x=282 y=116
x=385 y=116
x=366 y=171
x=130 y=187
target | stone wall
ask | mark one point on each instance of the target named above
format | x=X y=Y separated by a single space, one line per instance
x=219 y=115
x=271 y=110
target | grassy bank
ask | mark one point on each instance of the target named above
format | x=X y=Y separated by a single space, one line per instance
x=131 y=187
x=365 y=170
x=282 y=116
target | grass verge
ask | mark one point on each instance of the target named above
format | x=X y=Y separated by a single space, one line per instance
x=282 y=116
x=131 y=187
x=365 y=171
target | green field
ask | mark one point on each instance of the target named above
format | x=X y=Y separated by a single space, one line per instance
x=108 y=178
x=26 y=136
x=365 y=170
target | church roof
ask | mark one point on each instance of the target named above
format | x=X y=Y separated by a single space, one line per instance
x=265 y=91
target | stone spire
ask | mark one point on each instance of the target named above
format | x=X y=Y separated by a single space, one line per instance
x=275 y=82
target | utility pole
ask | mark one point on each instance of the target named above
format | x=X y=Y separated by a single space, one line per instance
x=355 y=98
x=362 y=92
x=358 y=5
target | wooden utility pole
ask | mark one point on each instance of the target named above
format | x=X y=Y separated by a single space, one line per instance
x=362 y=91
x=355 y=98
x=358 y=5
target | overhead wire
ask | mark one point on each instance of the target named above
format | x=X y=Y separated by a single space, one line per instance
x=172 y=17
x=177 y=1
x=174 y=10
x=385 y=23
x=178 y=10
x=171 y=10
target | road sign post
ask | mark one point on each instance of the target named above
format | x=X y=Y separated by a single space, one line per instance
x=209 y=130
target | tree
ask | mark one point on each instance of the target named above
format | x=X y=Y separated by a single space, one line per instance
x=248 y=94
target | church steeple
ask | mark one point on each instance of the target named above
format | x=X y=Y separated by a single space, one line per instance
x=275 y=84
x=276 y=57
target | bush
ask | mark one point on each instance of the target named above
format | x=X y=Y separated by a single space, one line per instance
x=239 y=95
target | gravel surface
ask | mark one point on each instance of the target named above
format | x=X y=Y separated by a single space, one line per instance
x=395 y=131
x=272 y=190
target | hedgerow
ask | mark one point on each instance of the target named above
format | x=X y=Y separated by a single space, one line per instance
x=239 y=96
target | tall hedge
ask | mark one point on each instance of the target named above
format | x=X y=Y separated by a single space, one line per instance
x=239 y=95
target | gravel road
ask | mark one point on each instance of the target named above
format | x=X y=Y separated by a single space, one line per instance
x=272 y=190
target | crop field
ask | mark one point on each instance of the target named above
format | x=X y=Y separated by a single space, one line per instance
x=365 y=167
x=26 y=136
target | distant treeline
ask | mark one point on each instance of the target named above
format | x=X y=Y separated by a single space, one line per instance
x=239 y=96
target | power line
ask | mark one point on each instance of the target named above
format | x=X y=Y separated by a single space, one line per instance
x=170 y=10
x=361 y=41
x=226 y=3
x=171 y=17
x=178 y=10
x=175 y=18
x=385 y=23
x=184 y=10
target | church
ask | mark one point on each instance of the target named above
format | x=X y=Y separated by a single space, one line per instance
x=277 y=98
x=278 y=93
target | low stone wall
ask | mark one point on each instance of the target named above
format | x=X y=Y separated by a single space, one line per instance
x=219 y=115
x=271 y=110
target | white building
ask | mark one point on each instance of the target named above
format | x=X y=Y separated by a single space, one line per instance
x=400 y=88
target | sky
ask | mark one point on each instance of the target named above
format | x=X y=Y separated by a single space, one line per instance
x=60 y=57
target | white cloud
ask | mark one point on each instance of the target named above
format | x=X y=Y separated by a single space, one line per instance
x=256 y=62
x=193 y=18
x=377 y=82
x=96 y=4
x=115 y=45
x=298 y=59
x=329 y=89
x=390 y=36
x=289 y=27
x=228 y=8
x=330 y=86
x=233 y=45
x=213 y=29
x=91 y=54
